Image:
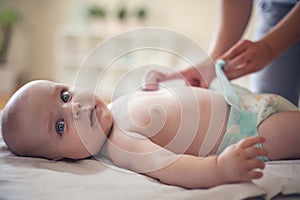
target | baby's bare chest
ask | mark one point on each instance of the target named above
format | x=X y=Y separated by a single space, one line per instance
x=177 y=121
x=174 y=121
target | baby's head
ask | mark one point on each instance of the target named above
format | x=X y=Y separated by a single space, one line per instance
x=55 y=121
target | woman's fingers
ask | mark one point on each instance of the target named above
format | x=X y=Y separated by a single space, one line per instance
x=236 y=50
x=241 y=71
x=237 y=62
x=151 y=79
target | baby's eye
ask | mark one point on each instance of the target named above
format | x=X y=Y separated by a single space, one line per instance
x=65 y=96
x=60 y=127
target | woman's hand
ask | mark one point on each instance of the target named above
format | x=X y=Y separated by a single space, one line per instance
x=153 y=78
x=238 y=162
x=199 y=76
x=246 y=57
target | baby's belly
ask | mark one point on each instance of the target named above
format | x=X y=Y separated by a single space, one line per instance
x=184 y=125
x=198 y=140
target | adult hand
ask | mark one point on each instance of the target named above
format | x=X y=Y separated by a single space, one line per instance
x=246 y=57
x=153 y=78
x=239 y=161
x=197 y=77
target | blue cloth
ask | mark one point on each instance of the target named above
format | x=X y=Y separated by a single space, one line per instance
x=282 y=75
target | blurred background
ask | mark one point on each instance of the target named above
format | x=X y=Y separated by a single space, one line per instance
x=49 y=39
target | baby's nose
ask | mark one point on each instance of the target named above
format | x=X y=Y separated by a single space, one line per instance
x=78 y=110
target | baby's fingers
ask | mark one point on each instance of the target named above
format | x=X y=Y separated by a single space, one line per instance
x=251 y=141
x=253 y=152
x=255 y=164
x=255 y=174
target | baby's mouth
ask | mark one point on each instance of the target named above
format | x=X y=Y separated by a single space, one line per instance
x=93 y=116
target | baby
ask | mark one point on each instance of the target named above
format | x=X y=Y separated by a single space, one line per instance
x=182 y=136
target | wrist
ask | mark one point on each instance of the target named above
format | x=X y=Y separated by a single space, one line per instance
x=207 y=70
x=267 y=46
x=220 y=169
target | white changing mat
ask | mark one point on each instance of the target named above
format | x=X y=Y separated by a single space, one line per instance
x=33 y=178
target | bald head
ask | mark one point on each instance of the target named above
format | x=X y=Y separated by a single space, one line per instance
x=10 y=125
x=19 y=116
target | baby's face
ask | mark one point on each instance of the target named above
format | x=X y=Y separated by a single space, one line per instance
x=70 y=123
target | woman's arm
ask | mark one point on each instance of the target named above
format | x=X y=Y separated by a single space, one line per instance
x=232 y=22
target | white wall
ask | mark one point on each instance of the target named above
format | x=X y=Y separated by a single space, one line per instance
x=33 y=49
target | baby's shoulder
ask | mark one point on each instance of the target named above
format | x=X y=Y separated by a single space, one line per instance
x=120 y=142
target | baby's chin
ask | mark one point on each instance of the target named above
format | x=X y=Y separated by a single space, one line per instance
x=106 y=120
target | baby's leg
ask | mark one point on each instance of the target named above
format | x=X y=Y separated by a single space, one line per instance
x=282 y=134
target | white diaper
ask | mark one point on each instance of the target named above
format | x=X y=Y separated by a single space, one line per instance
x=247 y=110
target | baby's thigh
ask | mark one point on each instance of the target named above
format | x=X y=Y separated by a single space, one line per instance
x=282 y=134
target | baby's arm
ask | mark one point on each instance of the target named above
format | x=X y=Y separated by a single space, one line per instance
x=236 y=164
x=143 y=156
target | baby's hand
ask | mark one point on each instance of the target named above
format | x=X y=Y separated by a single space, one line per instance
x=237 y=163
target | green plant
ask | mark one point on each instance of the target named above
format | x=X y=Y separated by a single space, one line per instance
x=122 y=13
x=96 y=11
x=141 y=13
x=8 y=18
